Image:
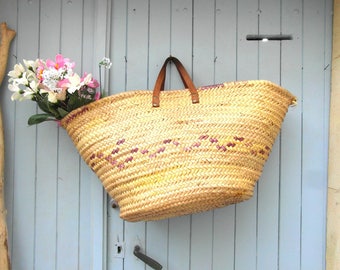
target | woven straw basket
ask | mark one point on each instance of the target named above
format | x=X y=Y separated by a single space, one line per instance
x=180 y=152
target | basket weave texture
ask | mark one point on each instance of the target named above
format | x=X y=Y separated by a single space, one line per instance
x=180 y=158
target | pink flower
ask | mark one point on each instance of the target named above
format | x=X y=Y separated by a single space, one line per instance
x=97 y=96
x=74 y=82
x=93 y=83
x=40 y=70
x=64 y=84
x=89 y=81
x=60 y=62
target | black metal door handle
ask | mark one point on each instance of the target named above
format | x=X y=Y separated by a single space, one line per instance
x=146 y=259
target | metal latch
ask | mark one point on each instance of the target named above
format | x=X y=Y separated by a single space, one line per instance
x=146 y=259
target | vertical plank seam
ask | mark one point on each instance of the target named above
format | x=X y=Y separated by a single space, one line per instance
x=214 y=81
x=327 y=108
x=236 y=74
x=257 y=184
x=280 y=159
x=104 y=194
x=79 y=158
x=302 y=129
x=11 y=234
x=58 y=157
x=36 y=161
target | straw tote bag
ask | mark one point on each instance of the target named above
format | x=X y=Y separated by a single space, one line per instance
x=161 y=154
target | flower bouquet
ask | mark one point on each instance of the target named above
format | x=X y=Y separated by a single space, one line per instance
x=54 y=85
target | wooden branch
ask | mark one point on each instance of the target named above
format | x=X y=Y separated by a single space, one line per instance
x=6 y=36
x=333 y=215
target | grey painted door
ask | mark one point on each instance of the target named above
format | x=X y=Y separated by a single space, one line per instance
x=58 y=214
x=283 y=225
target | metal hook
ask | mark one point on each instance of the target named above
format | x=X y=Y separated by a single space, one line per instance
x=268 y=37
x=113 y=203
x=146 y=259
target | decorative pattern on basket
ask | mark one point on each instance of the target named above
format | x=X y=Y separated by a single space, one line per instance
x=165 y=155
x=204 y=141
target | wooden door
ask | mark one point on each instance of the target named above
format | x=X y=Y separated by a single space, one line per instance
x=58 y=215
x=283 y=225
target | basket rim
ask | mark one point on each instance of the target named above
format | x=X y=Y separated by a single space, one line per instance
x=129 y=93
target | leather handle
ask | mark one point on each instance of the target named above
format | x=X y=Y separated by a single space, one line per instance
x=159 y=85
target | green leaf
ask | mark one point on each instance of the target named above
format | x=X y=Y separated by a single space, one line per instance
x=62 y=112
x=38 y=118
x=53 y=110
x=43 y=103
x=74 y=103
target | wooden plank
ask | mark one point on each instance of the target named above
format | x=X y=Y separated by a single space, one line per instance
x=24 y=179
x=247 y=69
x=116 y=225
x=46 y=191
x=179 y=243
x=92 y=234
x=181 y=31
x=314 y=159
x=203 y=42
x=291 y=138
x=333 y=214
x=159 y=39
x=137 y=33
x=268 y=185
x=203 y=74
x=247 y=23
x=118 y=47
x=68 y=205
x=85 y=218
x=224 y=238
x=115 y=238
x=181 y=47
x=225 y=41
x=157 y=237
x=134 y=235
x=69 y=160
x=225 y=70
x=137 y=73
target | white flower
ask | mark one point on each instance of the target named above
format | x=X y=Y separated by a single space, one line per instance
x=69 y=68
x=28 y=94
x=30 y=64
x=34 y=85
x=30 y=76
x=21 y=92
x=53 y=97
x=14 y=87
x=50 y=78
x=74 y=83
x=16 y=96
x=17 y=71
x=23 y=80
x=106 y=63
x=53 y=94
